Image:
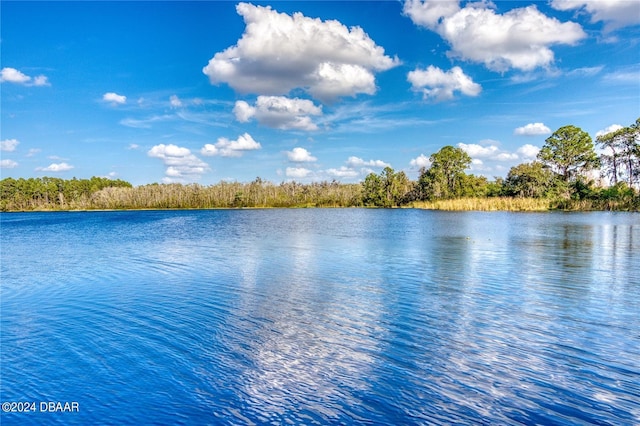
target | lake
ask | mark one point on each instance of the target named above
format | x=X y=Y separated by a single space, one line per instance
x=320 y=316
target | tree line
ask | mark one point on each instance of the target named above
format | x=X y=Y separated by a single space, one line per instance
x=49 y=193
x=105 y=194
x=561 y=174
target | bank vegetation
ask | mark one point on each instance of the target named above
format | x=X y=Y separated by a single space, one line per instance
x=561 y=178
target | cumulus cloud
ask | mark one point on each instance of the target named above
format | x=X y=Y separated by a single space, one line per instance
x=297 y=172
x=181 y=163
x=528 y=151
x=436 y=84
x=506 y=156
x=56 y=168
x=114 y=98
x=342 y=172
x=12 y=75
x=175 y=101
x=532 y=129
x=488 y=152
x=359 y=162
x=41 y=80
x=487 y=158
x=614 y=13
x=231 y=148
x=420 y=161
x=519 y=39
x=478 y=151
x=9 y=145
x=279 y=112
x=610 y=129
x=8 y=164
x=300 y=155
x=355 y=167
x=279 y=52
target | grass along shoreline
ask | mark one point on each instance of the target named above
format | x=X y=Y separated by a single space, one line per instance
x=484 y=204
x=517 y=204
x=487 y=204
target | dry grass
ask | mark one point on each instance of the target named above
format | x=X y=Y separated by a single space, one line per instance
x=486 y=204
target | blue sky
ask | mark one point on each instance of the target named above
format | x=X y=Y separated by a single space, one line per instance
x=307 y=91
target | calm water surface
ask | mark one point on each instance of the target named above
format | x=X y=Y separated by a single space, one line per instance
x=321 y=317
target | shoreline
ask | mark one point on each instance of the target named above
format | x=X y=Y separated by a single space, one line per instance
x=461 y=205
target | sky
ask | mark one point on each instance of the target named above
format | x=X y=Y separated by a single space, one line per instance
x=206 y=91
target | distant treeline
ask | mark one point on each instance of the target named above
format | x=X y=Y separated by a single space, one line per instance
x=57 y=194
x=387 y=189
x=560 y=178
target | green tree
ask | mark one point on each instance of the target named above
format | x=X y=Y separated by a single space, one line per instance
x=396 y=186
x=569 y=151
x=445 y=178
x=621 y=159
x=529 y=180
x=372 y=190
x=612 y=143
x=387 y=189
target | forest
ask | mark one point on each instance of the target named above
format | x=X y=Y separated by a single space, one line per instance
x=561 y=177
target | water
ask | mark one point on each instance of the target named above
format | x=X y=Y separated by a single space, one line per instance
x=321 y=316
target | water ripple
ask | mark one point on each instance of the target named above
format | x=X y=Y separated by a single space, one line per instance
x=322 y=317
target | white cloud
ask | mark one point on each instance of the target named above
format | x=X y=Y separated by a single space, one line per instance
x=278 y=53
x=487 y=152
x=586 y=71
x=279 y=112
x=420 y=161
x=488 y=159
x=478 y=151
x=56 y=167
x=12 y=75
x=609 y=129
x=228 y=148
x=33 y=151
x=175 y=101
x=9 y=145
x=615 y=13
x=506 y=156
x=8 y=164
x=300 y=155
x=146 y=123
x=532 y=129
x=430 y=14
x=181 y=163
x=342 y=172
x=356 y=167
x=520 y=38
x=114 y=98
x=436 y=84
x=624 y=75
x=359 y=162
x=528 y=151
x=243 y=111
x=297 y=172
x=41 y=80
